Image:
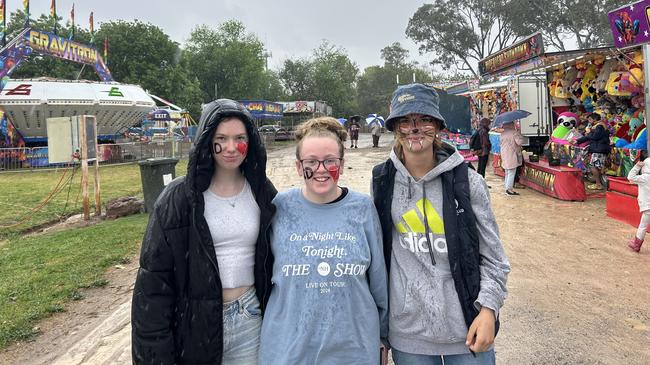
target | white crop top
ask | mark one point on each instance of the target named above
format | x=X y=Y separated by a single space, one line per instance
x=234 y=224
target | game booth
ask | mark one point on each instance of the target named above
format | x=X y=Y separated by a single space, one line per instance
x=631 y=32
x=264 y=112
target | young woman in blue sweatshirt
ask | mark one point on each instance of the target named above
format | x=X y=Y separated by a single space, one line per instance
x=329 y=298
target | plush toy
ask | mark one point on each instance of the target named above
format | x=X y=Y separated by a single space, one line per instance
x=634 y=123
x=561 y=90
x=565 y=122
x=641 y=142
x=590 y=75
x=638 y=101
x=636 y=70
x=553 y=84
x=575 y=87
x=603 y=75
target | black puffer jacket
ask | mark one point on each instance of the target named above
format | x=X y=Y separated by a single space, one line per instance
x=598 y=139
x=177 y=300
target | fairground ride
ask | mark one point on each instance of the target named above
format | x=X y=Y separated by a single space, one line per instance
x=27 y=103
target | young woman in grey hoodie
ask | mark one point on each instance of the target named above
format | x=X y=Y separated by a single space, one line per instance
x=447 y=266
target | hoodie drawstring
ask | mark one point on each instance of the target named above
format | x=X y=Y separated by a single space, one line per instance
x=409 y=187
x=426 y=223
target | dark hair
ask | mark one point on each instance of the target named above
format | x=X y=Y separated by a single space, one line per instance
x=595 y=116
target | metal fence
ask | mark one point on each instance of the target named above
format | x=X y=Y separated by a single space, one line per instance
x=37 y=157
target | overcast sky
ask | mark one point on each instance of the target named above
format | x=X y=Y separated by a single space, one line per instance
x=288 y=28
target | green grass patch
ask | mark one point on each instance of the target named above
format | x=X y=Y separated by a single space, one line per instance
x=41 y=273
x=22 y=191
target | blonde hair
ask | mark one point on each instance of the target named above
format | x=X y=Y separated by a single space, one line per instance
x=321 y=127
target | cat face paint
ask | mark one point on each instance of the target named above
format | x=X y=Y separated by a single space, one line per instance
x=242 y=147
x=307 y=173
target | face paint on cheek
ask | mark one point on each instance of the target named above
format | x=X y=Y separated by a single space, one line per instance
x=216 y=148
x=334 y=173
x=242 y=147
x=307 y=173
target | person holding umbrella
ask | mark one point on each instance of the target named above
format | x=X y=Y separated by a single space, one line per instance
x=511 y=141
x=511 y=157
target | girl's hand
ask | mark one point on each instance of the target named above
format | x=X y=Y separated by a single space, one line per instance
x=481 y=333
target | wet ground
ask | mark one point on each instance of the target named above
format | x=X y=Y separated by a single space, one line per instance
x=577 y=295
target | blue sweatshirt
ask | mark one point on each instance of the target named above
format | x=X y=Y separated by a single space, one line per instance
x=329 y=298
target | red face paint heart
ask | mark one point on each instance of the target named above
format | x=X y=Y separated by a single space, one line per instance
x=334 y=173
x=242 y=147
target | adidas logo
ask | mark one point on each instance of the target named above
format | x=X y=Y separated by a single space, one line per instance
x=412 y=230
x=415 y=224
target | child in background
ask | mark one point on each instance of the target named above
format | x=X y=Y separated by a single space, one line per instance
x=643 y=181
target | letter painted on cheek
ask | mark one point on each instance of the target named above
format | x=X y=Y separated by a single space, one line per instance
x=242 y=147
x=307 y=173
x=216 y=148
x=334 y=173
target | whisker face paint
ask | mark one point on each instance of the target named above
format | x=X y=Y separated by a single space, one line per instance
x=335 y=173
x=216 y=148
x=242 y=147
x=307 y=173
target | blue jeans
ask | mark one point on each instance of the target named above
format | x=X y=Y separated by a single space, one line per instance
x=482 y=358
x=242 y=322
x=510 y=178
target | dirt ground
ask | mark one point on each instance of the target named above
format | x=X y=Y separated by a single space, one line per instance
x=577 y=295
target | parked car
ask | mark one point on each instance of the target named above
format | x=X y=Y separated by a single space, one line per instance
x=278 y=133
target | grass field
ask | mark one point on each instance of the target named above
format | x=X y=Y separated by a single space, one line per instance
x=40 y=273
x=23 y=191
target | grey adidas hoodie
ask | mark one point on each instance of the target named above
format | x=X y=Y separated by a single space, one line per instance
x=425 y=312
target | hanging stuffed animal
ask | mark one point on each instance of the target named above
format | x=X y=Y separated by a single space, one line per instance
x=575 y=88
x=590 y=75
x=552 y=86
x=603 y=75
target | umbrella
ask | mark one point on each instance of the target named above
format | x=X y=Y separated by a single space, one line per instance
x=342 y=120
x=509 y=117
x=375 y=118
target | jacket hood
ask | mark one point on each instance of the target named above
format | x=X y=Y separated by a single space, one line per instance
x=201 y=165
x=446 y=156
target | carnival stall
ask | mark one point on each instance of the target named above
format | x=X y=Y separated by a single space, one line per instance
x=264 y=112
x=631 y=34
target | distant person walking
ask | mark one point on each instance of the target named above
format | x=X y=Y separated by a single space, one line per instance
x=353 y=131
x=511 y=157
x=483 y=153
x=640 y=175
x=375 y=130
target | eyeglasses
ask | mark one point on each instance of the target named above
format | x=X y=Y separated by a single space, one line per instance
x=424 y=123
x=315 y=164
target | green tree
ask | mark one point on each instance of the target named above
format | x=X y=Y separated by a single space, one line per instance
x=327 y=75
x=227 y=60
x=377 y=83
x=462 y=33
x=563 y=22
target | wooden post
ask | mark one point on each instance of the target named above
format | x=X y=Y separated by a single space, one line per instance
x=98 y=203
x=83 y=145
